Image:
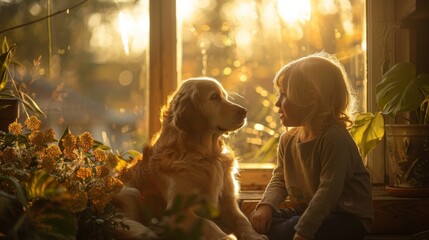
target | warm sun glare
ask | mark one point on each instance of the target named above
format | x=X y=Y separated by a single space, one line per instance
x=292 y=11
x=124 y=23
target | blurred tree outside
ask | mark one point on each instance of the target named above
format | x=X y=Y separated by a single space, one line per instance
x=243 y=44
x=92 y=60
x=91 y=64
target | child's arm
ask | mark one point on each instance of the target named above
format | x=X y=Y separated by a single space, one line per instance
x=336 y=167
x=275 y=192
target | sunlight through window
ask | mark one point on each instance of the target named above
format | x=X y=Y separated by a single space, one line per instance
x=243 y=43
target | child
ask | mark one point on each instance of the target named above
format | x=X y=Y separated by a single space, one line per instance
x=318 y=164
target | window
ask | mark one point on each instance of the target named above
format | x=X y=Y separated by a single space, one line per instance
x=96 y=72
x=243 y=43
x=86 y=66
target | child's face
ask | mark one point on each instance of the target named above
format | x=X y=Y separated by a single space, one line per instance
x=291 y=115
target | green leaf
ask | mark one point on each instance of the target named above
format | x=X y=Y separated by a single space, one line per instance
x=10 y=211
x=5 y=59
x=98 y=144
x=5 y=45
x=422 y=83
x=367 y=131
x=400 y=90
x=43 y=185
x=20 y=192
x=52 y=222
x=3 y=70
x=60 y=142
x=31 y=104
x=131 y=152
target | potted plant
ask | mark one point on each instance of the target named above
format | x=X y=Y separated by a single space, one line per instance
x=403 y=95
x=13 y=90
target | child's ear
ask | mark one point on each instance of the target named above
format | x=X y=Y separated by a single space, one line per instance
x=312 y=97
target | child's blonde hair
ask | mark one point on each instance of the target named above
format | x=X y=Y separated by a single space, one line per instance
x=324 y=77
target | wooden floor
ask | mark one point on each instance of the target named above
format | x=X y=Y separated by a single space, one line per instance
x=395 y=218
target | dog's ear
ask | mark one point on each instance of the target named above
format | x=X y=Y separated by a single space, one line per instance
x=184 y=111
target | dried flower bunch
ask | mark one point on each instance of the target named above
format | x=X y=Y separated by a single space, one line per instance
x=77 y=174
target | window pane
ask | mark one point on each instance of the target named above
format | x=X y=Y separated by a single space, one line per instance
x=243 y=43
x=87 y=65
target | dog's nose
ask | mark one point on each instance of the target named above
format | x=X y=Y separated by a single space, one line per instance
x=242 y=111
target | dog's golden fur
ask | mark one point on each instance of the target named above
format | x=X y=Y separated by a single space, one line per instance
x=188 y=157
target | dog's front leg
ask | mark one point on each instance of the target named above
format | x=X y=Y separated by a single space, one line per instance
x=211 y=230
x=231 y=218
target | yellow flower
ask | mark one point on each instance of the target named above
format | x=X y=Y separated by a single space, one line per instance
x=69 y=144
x=83 y=173
x=53 y=151
x=85 y=141
x=15 y=128
x=8 y=155
x=80 y=201
x=99 y=155
x=112 y=160
x=48 y=164
x=33 y=123
x=113 y=185
x=69 y=154
x=102 y=171
x=37 y=138
x=69 y=141
x=50 y=135
x=97 y=195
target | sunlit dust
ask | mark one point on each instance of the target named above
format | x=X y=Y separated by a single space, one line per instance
x=258 y=127
x=255 y=141
x=266 y=103
x=293 y=11
x=227 y=71
x=236 y=63
x=125 y=78
x=35 y=9
x=243 y=77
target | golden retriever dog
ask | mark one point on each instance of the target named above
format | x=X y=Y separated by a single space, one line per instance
x=187 y=157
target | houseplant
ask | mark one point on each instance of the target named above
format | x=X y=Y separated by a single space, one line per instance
x=63 y=189
x=58 y=189
x=402 y=95
x=13 y=88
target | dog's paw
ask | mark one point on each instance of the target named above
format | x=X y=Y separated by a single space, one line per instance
x=252 y=235
x=228 y=237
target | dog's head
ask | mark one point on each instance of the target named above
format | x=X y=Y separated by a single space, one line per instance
x=202 y=104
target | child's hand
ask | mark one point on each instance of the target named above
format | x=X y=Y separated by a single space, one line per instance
x=261 y=219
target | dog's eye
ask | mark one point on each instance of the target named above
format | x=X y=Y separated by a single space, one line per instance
x=215 y=96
